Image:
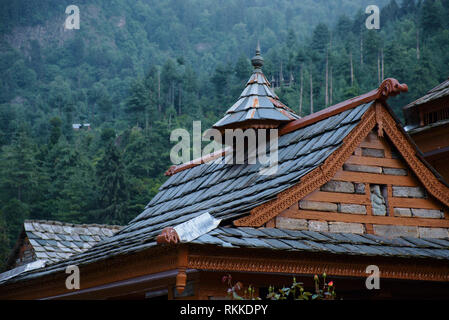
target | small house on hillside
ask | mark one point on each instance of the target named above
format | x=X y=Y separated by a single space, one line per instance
x=351 y=190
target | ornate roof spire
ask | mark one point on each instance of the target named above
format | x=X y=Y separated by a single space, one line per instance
x=258 y=106
x=257 y=60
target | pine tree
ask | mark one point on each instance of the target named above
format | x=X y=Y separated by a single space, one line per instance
x=4 y=243
x=17 y=168
x=431 y=17
x=112 y=187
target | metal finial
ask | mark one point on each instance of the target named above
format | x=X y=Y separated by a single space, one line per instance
x=257 y=60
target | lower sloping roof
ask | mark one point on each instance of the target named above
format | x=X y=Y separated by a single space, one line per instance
x=327 y=242
x=440 y=91
x=54 y=241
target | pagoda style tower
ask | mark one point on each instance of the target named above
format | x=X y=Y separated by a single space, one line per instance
x=258 y=106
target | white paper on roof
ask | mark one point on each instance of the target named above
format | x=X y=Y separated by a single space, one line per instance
x=196 y=227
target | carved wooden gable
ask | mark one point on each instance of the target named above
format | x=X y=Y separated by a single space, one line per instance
x=374 y=183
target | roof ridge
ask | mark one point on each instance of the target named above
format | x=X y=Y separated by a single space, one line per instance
x=69 y=224
x=195 y=162
x=419 y=101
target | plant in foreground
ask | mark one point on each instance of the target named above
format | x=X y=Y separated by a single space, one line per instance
x=295 y=292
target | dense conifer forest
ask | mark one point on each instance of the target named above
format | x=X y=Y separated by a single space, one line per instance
x=135 y=70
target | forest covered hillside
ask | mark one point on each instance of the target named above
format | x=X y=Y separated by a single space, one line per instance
x=135 y=70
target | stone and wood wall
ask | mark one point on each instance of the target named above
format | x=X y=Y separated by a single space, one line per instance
x=373 y=193
x=25 y=253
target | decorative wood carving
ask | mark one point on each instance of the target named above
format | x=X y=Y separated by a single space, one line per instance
x=331 y=264
x=380 y=124
x=390 y=87
x=168 y=236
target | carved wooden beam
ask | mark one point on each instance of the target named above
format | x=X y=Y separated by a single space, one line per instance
x=388 y=88
x=205 y=159
x=283 y=262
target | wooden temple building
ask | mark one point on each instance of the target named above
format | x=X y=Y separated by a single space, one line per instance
x=351 y=190
x=427 y=122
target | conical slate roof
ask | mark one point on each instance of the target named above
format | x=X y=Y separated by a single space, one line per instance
x=258 y=106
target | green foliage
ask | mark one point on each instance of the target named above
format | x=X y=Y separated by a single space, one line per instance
x=295 y=292
x=4 y=242
x=112 y=187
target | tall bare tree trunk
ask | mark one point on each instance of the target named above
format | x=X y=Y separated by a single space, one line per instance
x=172 y=102
x=146 y=122
x=311 y=93
x=378 y=67
x=326 y=97
x=159 y=91
x=300 y=92
x=179 y=99
x=332 y=88
x=281 y=77
x=361 y=47
x=417 y=43
x=382 y=63
x=352 y=69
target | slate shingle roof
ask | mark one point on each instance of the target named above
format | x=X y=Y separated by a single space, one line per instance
x=53 y=241
x=326 y=242
x=439 y=91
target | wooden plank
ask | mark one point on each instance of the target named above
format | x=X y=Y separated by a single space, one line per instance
x=390 y=211
x=369 y=207
x=373 y=144
x=357 y=218
x=271 y=223
x=338 y=197
x=381 y=162
x=369 y=228
x=376 y=178
x=414 y=203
